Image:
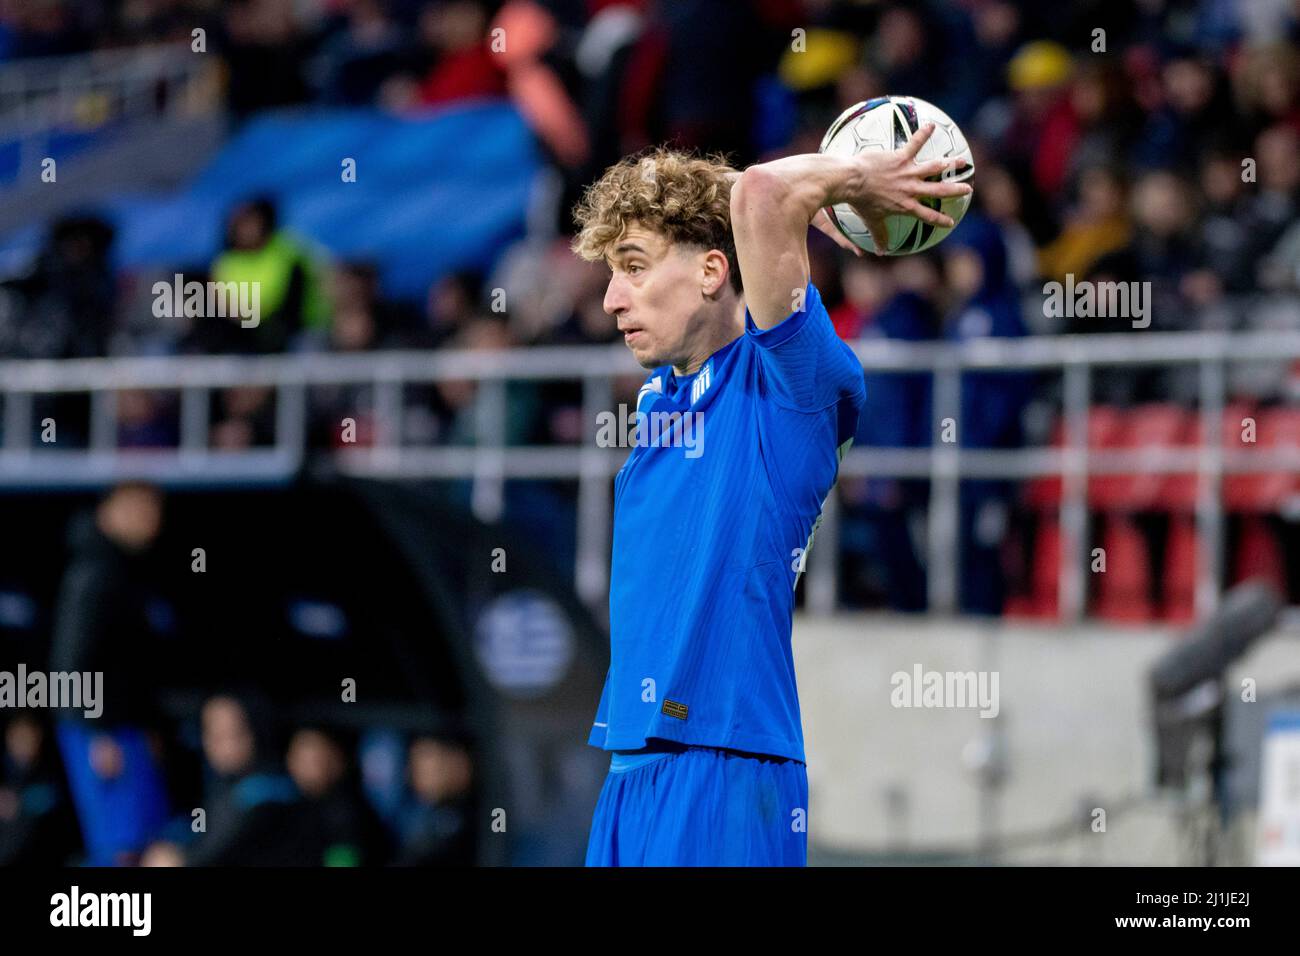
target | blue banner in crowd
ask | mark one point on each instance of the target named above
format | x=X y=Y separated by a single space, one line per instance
x=432 y=193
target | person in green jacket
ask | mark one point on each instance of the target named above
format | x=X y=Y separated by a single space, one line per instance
x=291 y=288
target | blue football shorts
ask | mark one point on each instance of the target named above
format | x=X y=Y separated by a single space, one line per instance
x=701 y=806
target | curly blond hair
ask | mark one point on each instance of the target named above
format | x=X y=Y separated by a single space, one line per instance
x=678 y=194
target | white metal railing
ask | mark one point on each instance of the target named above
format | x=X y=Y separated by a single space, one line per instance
x=490 y=462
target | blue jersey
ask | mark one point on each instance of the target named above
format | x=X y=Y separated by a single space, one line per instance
x=713 y=517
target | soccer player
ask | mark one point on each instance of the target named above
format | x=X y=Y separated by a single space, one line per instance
x=710 y=287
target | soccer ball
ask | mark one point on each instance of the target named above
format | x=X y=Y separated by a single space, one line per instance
x=888 y=122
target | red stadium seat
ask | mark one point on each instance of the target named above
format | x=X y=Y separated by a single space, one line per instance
x=1104 y=424
x=1180 y=570
x=1020 y=607
x=1263 y=492
x=1152 y=426
x=1107 y=428
x=1158 y=426
x=1177 y=491
x=1259 y=555
x=1238 y=490
x=1124 y=589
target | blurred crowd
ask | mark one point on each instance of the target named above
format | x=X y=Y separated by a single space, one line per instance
x=1114 y=140
x=232 y=781
x=248 y=793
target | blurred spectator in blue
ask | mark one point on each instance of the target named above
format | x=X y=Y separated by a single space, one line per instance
x=1000 y=199
x=884 y=512
x=103 y=625
x=381 y=753
x=897 y=411
x=985 y=305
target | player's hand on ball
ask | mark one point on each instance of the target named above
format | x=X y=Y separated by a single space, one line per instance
x=894 y=183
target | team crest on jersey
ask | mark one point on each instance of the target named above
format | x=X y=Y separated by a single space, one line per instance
x=702 y=382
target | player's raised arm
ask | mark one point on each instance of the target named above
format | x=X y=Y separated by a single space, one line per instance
x=773 y=204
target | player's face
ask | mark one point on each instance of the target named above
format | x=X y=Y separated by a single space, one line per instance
x=654 y=293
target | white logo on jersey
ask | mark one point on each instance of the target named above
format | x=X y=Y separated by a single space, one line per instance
x=702 y=382
x=654 y=385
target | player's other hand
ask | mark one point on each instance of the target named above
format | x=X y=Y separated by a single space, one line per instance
x=822 y=223
x=893 y=183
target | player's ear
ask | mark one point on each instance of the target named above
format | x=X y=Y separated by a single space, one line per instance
x=713 y=273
